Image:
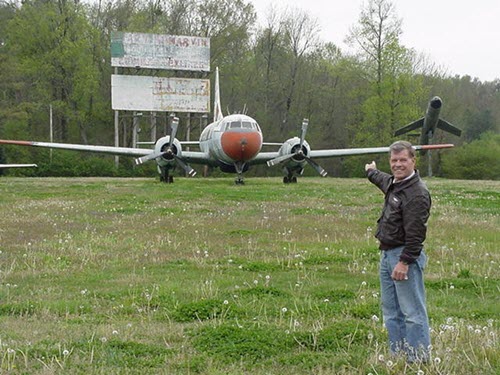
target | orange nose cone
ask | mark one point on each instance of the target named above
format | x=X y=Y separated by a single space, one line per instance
x=241 y=146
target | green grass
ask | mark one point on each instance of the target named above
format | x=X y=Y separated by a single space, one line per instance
x=131 y=276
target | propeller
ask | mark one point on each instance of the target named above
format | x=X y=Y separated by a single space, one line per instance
x=168 y=152
x=299 y=153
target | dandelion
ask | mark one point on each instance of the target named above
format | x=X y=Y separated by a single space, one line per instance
x=363 y=283
x=226 y=302
x=389 y=363
x=420 y=372
x=65 y=352
x=381 y=358
x=115 y=332
x=284 y=310
x=437 y=360
x=104 y=339
x=375 y=318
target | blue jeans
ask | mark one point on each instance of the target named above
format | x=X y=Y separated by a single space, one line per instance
x=403 y=307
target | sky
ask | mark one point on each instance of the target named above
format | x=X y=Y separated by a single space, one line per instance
x=461 y=37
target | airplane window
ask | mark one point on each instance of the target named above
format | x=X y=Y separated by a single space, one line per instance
x=246 y=125
x=235 y=125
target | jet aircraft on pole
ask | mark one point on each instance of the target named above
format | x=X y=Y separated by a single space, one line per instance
x=429 y=123
x=232 y=143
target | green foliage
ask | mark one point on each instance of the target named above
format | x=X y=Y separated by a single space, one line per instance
x=231 y=342
x=476 y=160
x=202 y=310
x=340 y=335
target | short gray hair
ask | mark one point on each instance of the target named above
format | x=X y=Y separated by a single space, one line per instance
x=399 y=146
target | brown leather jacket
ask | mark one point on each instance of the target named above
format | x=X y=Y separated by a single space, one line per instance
x=403 y=221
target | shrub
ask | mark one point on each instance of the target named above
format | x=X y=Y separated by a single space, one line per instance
x=477 y=160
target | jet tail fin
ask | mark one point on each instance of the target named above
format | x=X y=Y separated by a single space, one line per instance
x=217 y=108
x=447 y=127
x=412 y=126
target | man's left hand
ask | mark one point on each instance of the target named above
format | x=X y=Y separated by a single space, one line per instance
x=400 y=272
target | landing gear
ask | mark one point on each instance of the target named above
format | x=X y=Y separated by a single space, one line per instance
x=239 y=180
x=165 y=177
x=289 y=180
x=239 y=166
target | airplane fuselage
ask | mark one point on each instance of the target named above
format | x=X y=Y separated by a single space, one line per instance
x=232 y=141
x=431 y=120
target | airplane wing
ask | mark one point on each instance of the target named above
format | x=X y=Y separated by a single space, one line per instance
x=447 y=127
x=412 y=126
x=264 y=157
x=370 y=150
x=89 y=148
x=196 y=157
x=18 y=166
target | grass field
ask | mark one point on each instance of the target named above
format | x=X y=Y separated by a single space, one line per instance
x=131 y=276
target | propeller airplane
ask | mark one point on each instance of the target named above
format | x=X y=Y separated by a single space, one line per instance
x=232 y=143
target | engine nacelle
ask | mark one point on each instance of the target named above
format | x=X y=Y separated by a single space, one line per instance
x=167 y=157
x=291 y=147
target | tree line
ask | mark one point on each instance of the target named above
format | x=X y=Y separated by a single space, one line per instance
x=56 y=54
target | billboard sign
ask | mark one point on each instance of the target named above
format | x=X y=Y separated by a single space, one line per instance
x=156 y=51
x=159 y=94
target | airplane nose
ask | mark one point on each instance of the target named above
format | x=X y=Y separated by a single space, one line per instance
x=241 y=146
x=436 y=102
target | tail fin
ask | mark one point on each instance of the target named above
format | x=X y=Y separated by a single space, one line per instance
x=217 y=108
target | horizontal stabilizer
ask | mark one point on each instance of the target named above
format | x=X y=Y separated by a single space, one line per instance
x=408 y=128
x=447 y=127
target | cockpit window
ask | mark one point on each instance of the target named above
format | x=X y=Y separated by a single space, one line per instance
x=242 y=125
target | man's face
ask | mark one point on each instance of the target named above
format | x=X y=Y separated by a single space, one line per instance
x=402 y=164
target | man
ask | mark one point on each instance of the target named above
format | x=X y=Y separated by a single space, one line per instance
x=401 y=230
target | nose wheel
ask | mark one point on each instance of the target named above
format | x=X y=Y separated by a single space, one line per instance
x=239 y=173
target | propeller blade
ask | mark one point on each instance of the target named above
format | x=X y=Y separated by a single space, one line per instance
x=280 y=159
x=146 y=158
x=190 y=171
x=174 y=126
x=305 y=123
x=316 y=166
